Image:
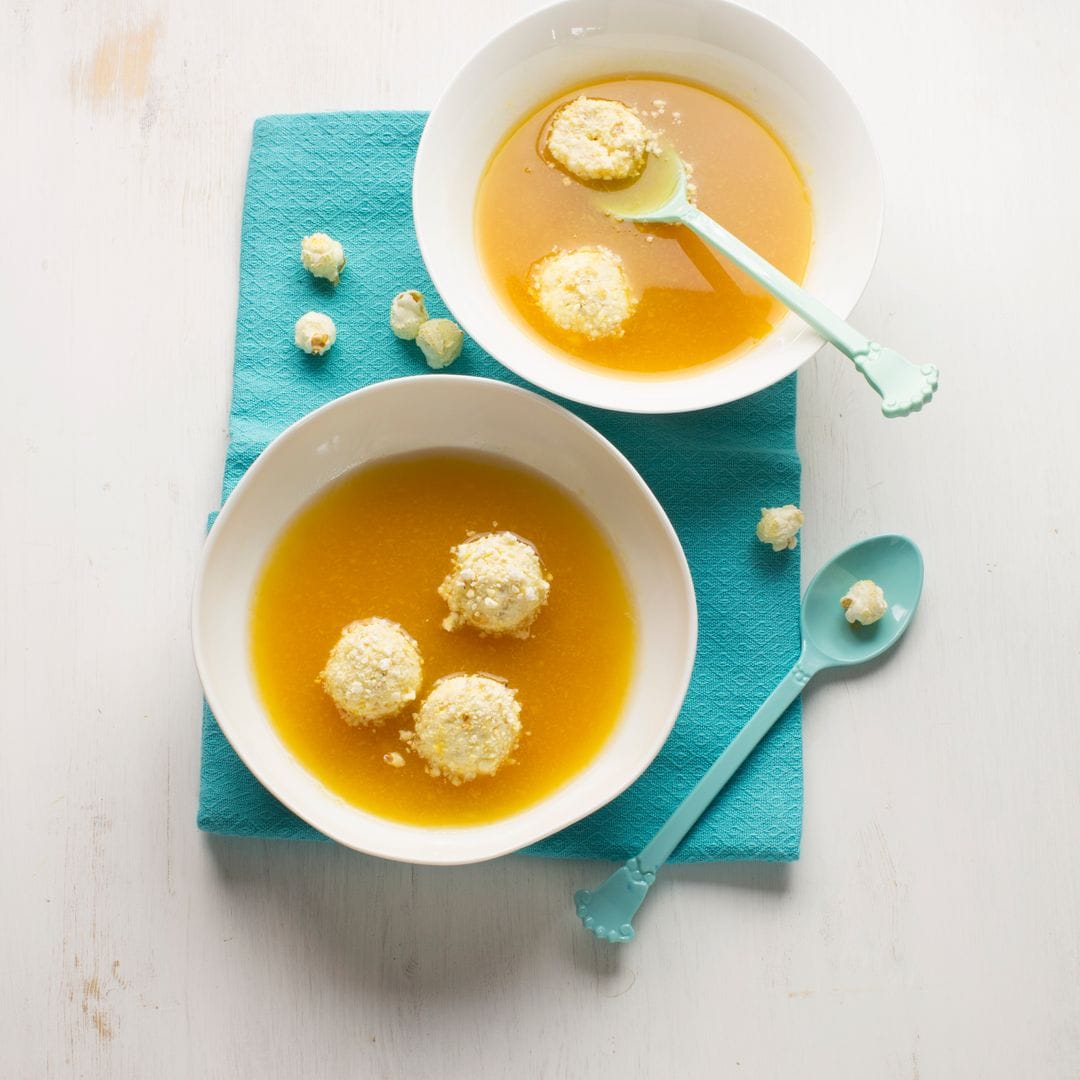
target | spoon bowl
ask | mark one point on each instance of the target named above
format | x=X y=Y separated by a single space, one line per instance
x=657 y=196
x=894 y=563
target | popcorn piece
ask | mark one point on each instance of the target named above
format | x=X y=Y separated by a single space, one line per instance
x=372 y=672
x=467 y=727
x=315 y=332
x=597 y=139
x=394 y=759
x=440 y=341
x=779 y=526
x=864 y=603
x=323 y=256
x=496 y=584
x=584 y=291
x=407 y=314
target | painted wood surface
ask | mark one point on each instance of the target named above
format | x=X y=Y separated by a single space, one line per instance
x=932 y=928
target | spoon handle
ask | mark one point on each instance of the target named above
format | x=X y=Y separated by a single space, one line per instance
x=659 y=848
x=608 y=910
x=903 y=386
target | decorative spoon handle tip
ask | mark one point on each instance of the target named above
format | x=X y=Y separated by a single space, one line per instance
x=607 y=911
x=904 y=387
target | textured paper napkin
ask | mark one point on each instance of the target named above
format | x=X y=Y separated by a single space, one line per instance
x=349 y=174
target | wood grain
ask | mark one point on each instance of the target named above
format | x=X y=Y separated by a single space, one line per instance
x=932 y=928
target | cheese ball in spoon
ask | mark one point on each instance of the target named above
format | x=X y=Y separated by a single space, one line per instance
x=598 y=139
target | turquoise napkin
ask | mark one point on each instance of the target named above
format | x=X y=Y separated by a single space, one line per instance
x=349 y=174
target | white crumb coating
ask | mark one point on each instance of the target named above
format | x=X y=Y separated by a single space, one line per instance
x=373 y=671
x=598 y=139
x=496 y=584
x=315 y=333
x=584 y=291
x=440 y=341
x=466 y=727
x=864 y=603
x=407 y=314
x=322 y=256
x=779 y=526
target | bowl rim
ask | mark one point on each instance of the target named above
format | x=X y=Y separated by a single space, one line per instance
x=548 y=378
x=641 y=761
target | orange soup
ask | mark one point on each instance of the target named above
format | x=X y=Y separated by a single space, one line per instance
x=377 y=543
x=693 y=307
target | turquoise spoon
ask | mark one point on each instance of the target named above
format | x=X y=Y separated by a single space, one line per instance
x=829 y=641
x=661 y=198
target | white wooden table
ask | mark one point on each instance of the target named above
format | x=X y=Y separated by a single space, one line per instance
x=932 y=928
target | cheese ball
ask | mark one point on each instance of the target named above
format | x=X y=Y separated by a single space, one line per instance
x=440 y=341
x=496 y=584
x=864 y=603
x=597 y=139
x=467 y=727
x=407 y=314
x=322 y=256
x=315 y=333
x=584 y=291
x=779 y=526
x=372 y=672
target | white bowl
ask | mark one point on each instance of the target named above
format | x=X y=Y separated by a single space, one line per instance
x=712 y=42
x=440 y=412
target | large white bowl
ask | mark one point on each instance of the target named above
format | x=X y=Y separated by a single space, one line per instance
x=713 y=42
x=439 y=412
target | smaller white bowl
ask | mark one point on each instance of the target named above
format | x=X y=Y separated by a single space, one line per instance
x=719 y=44
x=438 y=412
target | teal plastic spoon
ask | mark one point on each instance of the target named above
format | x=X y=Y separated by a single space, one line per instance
x=660 y=197
x=829 y=641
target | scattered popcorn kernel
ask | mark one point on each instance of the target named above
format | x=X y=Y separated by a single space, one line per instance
x=323 y=256
x=584 y=291
x=597 y=139
x=440 y=341
x=315 y=332
x=467 y=727
x=373 y=671
x=779 y=526
x=864 y=603
x=394 y=759
x=407 y=314
x=496 y=584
